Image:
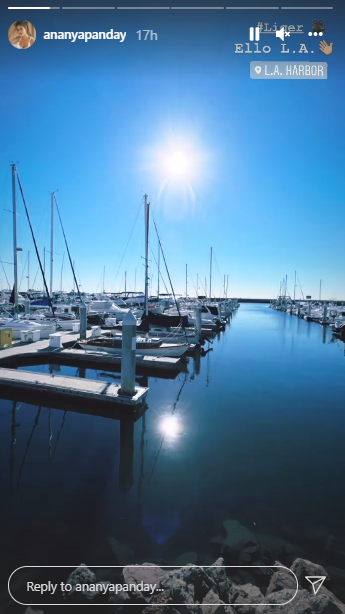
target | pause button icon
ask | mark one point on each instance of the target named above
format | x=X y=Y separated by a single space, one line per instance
x=251 y=34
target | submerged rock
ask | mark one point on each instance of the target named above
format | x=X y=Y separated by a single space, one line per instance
x=189 y=558
x=237 y=537
x=124 y=554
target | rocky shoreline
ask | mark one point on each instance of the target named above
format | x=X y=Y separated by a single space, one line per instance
x=206 y=590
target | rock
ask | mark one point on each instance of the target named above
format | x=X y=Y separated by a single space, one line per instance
x=280 y=580
x=120 y=598
x=238 y=537
x=303 y=603
x=212 y=604
x=324 y=591
x=123 y=553
x=146 y=573
x=29 y=610
x=216 y=578
x=303 y=568
x=247 y=594
x=81 y=575
x=191 y=575
x=158 y=603
x=185 y=559
x=182 y=593
x=99 y=595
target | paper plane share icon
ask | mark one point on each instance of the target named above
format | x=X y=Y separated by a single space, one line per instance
x=316 y=582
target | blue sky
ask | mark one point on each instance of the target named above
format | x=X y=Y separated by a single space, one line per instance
x=95 y=120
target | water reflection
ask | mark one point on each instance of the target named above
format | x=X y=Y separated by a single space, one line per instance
x=126 y=455
x=28 y=446
x=170 y=426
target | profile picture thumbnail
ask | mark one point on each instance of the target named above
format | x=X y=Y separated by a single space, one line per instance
x=22 y=34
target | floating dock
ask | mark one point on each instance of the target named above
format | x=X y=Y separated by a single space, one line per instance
x=39 y=352
x=69 y=387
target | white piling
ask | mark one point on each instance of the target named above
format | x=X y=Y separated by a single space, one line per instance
x=83 y=320
x=198 y=310
x=129 y=344
x=27 y=306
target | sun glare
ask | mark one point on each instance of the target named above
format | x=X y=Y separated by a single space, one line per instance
x=170 y=427
x=178 y=164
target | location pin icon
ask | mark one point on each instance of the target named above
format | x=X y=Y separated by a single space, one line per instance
x=258 y=69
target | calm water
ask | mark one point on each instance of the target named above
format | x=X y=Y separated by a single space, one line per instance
x=257 y=435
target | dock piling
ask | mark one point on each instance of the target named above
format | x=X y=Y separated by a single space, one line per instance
x=325 y=313
x=83 y=321
x=198 y=309
x=129 y=344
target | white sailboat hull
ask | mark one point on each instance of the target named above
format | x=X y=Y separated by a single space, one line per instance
x=166 y=349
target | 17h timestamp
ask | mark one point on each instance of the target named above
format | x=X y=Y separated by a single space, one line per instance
x=147 y=35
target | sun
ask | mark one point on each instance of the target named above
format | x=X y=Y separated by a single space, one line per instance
x=178 y=164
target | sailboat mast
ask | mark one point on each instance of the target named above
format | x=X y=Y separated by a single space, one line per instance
x=44 y=264
x=125 y=282
x=159 y=267
x=294 y=288
x=52 y=244
x=320 y=289
x=15 y=262
x=147 y=223
x=186 y=280
x=211 y=273
x=197 y=285
x=103 y=279
x=63 y=257
x=28 y=271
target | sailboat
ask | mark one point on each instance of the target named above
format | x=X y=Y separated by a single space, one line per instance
x=144 y=346
x=18 y=325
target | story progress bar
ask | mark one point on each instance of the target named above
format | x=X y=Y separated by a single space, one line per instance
x=155 y=8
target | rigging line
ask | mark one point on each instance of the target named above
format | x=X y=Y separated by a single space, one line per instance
x=69 y=255
x=28 y=446
x=172 y=288
x=214 y=256
x=163 y=437
x=160 y=274
x=167 y=270
x=300 y=286
x=23 y=270
x=130 y=236
x=35 y=244
x=3 y=268
x=33 y=285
